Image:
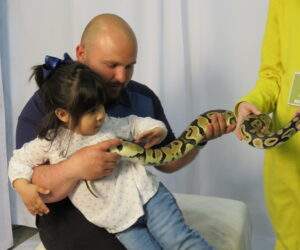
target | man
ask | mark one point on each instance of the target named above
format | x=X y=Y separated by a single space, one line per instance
x=109 y=47
x=279 y=64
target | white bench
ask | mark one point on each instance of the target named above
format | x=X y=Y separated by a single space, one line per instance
x=224 y=223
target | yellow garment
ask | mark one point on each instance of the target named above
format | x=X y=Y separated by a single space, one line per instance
x=280 y=60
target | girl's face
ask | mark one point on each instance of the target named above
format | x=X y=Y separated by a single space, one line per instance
x=91 y=122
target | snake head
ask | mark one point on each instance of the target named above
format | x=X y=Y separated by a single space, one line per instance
x=127 y=149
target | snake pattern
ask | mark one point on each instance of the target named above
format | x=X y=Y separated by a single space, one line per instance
x=256 y=130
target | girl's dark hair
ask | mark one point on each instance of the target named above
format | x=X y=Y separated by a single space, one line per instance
x=71 y=86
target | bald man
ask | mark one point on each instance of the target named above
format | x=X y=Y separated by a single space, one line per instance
x=109 y=47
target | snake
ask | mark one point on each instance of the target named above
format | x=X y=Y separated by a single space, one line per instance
x=256 y=131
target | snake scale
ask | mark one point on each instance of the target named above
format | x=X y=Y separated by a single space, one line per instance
x=256 y=130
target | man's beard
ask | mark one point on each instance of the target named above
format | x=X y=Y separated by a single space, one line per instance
x=113 y=91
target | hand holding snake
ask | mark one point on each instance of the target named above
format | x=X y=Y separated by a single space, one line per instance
x=244 y=109
x=256 y=128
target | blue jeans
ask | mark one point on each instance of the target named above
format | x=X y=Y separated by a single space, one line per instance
x=162 y=227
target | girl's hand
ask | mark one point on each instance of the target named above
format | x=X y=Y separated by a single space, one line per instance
x=151 y=137
x=31 y=196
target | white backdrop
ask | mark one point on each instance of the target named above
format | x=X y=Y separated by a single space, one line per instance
x=6 y=238
x=195 y=54
x=5 y=220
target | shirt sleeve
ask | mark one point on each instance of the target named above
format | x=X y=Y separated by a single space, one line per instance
x=131 y=126
x=32 y=154
x=159 y=114
x=139 y=125
x=265 y=93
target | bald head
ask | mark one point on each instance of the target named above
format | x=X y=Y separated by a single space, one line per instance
x=109 y=47
x=107 y=26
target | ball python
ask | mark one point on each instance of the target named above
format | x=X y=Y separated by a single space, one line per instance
x=256 y=130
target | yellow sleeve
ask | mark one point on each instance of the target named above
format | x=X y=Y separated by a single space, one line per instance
x=265 y=93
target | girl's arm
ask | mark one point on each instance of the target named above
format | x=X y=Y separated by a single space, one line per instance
x=135 y=128
x=20 y=173
x=26 y=158
x=31 y=196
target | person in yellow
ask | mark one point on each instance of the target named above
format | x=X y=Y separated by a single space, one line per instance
x=280 y=60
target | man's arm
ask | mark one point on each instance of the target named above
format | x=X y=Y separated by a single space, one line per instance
x=180 y=163
x=216 y=129
x=56 y=178
x=88 y=163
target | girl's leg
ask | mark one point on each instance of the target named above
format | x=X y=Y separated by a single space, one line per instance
x=166 y=223
x=138 y=237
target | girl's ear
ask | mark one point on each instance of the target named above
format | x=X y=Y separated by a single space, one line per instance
x=62 y=115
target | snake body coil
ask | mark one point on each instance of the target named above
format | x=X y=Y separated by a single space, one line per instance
x=255 y=129
x=192 y=137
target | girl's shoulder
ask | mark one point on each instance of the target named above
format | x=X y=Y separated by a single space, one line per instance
x=37 y=145
x=60 y=138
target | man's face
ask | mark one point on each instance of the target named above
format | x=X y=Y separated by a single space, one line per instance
x=114 y=61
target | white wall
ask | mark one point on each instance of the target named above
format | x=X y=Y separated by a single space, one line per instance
x=196 y=55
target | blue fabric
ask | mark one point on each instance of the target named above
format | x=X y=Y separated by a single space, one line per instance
x=140 y=105
x=162 y=227
x=51 y=63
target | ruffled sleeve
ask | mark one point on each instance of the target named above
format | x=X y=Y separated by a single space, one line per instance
x=32 y=154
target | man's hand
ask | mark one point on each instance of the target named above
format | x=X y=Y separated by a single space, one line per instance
x=151 y=137
x=30 y=195
x=244 y=109
x=217 y=127
x=88 y=163
x=94 y=162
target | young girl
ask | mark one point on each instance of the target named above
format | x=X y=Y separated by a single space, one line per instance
x=130 y=202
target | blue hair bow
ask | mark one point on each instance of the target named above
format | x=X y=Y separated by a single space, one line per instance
x=51 y=63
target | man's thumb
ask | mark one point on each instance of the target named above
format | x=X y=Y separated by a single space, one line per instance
x=43 y=190
x=256 y=111
x=253 y=109
x=105 y=145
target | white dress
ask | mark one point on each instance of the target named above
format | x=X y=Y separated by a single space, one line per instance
x=121 y=195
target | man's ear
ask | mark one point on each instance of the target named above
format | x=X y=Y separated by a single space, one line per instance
x=62 y=115
x=80 y=53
